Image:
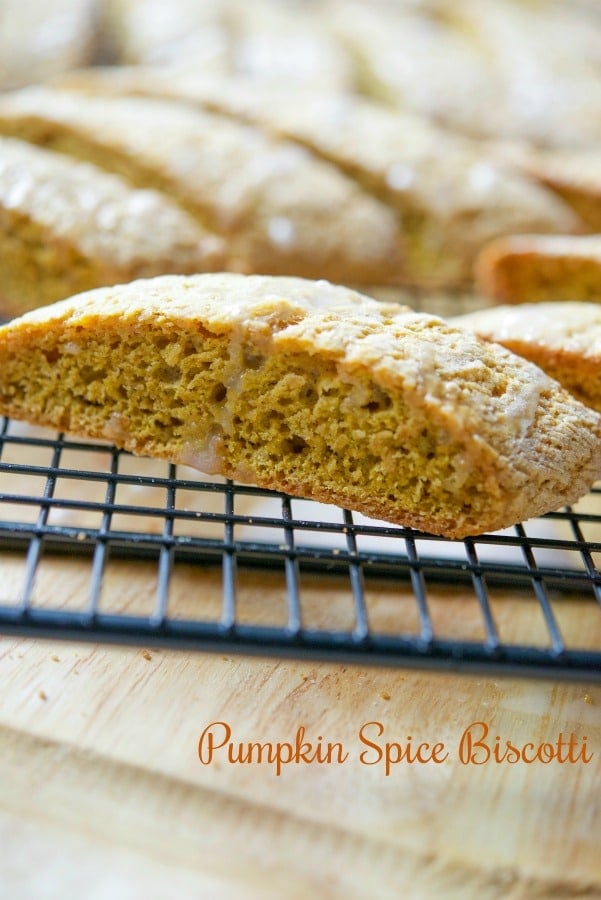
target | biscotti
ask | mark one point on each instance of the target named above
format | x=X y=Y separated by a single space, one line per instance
x=532 y=268
x=281 y=210
x=306 y=388
x=266 y=40
x=564 y=339
x=66 y=226
x=145 y=31
x=40 y=40
x=450 y=196
x=525 y=71
x=574 y=176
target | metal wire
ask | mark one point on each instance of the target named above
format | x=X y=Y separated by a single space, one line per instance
x=102 y=505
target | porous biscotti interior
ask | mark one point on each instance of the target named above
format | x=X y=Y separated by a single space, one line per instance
x=290 y=423
x=37 y=267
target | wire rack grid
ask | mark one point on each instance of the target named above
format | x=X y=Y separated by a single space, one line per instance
x=166 y=558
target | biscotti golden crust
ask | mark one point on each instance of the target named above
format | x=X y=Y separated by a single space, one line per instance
x=281 y=210
x=66 y=226
x=563 y=339
x=452 y=196
x=307 y=388
x=533 y=268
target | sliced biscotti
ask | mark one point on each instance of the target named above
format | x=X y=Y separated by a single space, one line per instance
x=451 y=195
x=307 y=388
x=281 y=210
x=562 y=338
x=147 y=31
x=531 y=268
x=39 y=40
x=265 y=40
x=573 y=175
x=66 y=226
x=286 y=43
x=484 y=67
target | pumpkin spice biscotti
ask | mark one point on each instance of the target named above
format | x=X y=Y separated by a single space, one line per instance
x=532 y=268
x=265 y=40
x=572 y=175
x=563 y=339
x=488 y=68
x=281 y=210
x=307 y=388
x=40 y=39
x=451 y=195
x=66 y=226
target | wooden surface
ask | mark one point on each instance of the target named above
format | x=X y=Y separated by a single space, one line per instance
x=102 y=793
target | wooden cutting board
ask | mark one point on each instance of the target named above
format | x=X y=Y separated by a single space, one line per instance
x=102 y=792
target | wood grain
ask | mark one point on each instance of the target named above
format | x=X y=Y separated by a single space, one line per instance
x=98 y=752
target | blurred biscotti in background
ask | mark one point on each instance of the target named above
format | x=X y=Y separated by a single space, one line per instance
x=281 y=209
x=530 y=268
x=574 y=175
x=382 y=144
x=266 y=40
x=448 y=195
x=66 y=226
x=42 y=38
x=487 y=68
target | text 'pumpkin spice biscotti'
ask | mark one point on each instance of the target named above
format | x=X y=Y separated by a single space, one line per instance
x=563 y=338
x=307 y=388
x=281 y=210
x=66 y=226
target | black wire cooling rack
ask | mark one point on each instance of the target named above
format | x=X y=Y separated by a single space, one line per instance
x=161 y=557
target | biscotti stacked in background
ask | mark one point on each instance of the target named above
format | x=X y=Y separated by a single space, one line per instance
x=278 y=209
x=307 y=388
x=484 y=68
x=267 y=41
x=573 y=175
x=67 y=226
x=450 y=195
x=372 y=144
x=39 y=39
x=300 y=194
